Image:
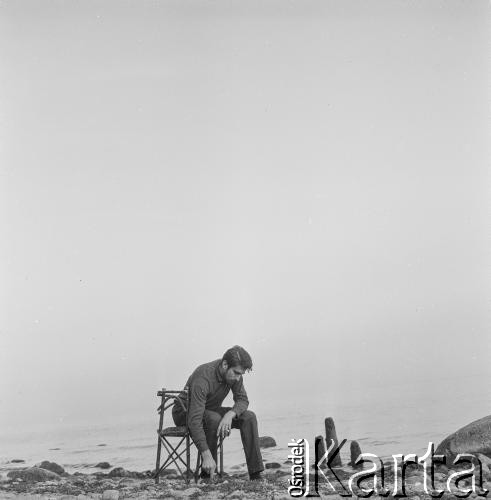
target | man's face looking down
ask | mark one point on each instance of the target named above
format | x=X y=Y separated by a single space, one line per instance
x=231 y=374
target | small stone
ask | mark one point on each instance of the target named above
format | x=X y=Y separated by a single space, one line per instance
x=17 y=461
x=190 y=491
x=103 y=465
x=110 y=495
x=413 y=471
x=266 y=442
x=282 y=475
x=118 y=472
x=109 y=484
x=413 y=485
x=52 y=466
x=127 y=481
x=273 y=465
x=50 y=483
x=237 y=494
x=441 y=468
x=439 y=476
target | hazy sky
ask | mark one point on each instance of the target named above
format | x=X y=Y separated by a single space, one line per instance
x=309 y=179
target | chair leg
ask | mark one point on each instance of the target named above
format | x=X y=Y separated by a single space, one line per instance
x=174 y=455
x=188 y=459
x=157 y=465
x=221 y=457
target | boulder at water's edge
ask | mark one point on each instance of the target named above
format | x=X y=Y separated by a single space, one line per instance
x=473 y=438
x=52 y=466
x=103 y=465
x=33 y=474
x=266 y=442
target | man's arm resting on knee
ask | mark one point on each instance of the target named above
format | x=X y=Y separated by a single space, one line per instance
x=241 y=404
x=225 y=424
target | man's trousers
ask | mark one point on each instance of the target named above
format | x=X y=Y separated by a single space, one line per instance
x=246 y=423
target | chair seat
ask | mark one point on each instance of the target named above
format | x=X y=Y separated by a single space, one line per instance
x=180 y=431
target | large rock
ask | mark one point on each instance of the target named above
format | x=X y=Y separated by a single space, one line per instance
x=33 y=474
x=473 y=438
x=52 y=466
x=266 y=442
x=118 y=472
x=103 y=465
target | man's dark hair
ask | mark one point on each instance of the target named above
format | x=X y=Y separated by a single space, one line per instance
x=237 y=355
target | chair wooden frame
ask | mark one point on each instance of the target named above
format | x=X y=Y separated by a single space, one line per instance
x=174 y=452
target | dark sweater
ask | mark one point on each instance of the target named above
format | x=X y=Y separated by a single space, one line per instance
x=207 y=390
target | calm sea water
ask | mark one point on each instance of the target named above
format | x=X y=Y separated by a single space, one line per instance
x=400 y=420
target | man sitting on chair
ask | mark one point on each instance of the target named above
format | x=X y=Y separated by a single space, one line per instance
x=208 y=386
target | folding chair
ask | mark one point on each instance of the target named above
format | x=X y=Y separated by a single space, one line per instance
x=175 y=452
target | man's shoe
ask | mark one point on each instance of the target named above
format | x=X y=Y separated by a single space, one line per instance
x=256 y=476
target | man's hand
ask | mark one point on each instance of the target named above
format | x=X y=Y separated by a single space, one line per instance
x=209 y=465
x=225 y=425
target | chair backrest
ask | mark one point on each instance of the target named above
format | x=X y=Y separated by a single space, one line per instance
x=167 y=400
